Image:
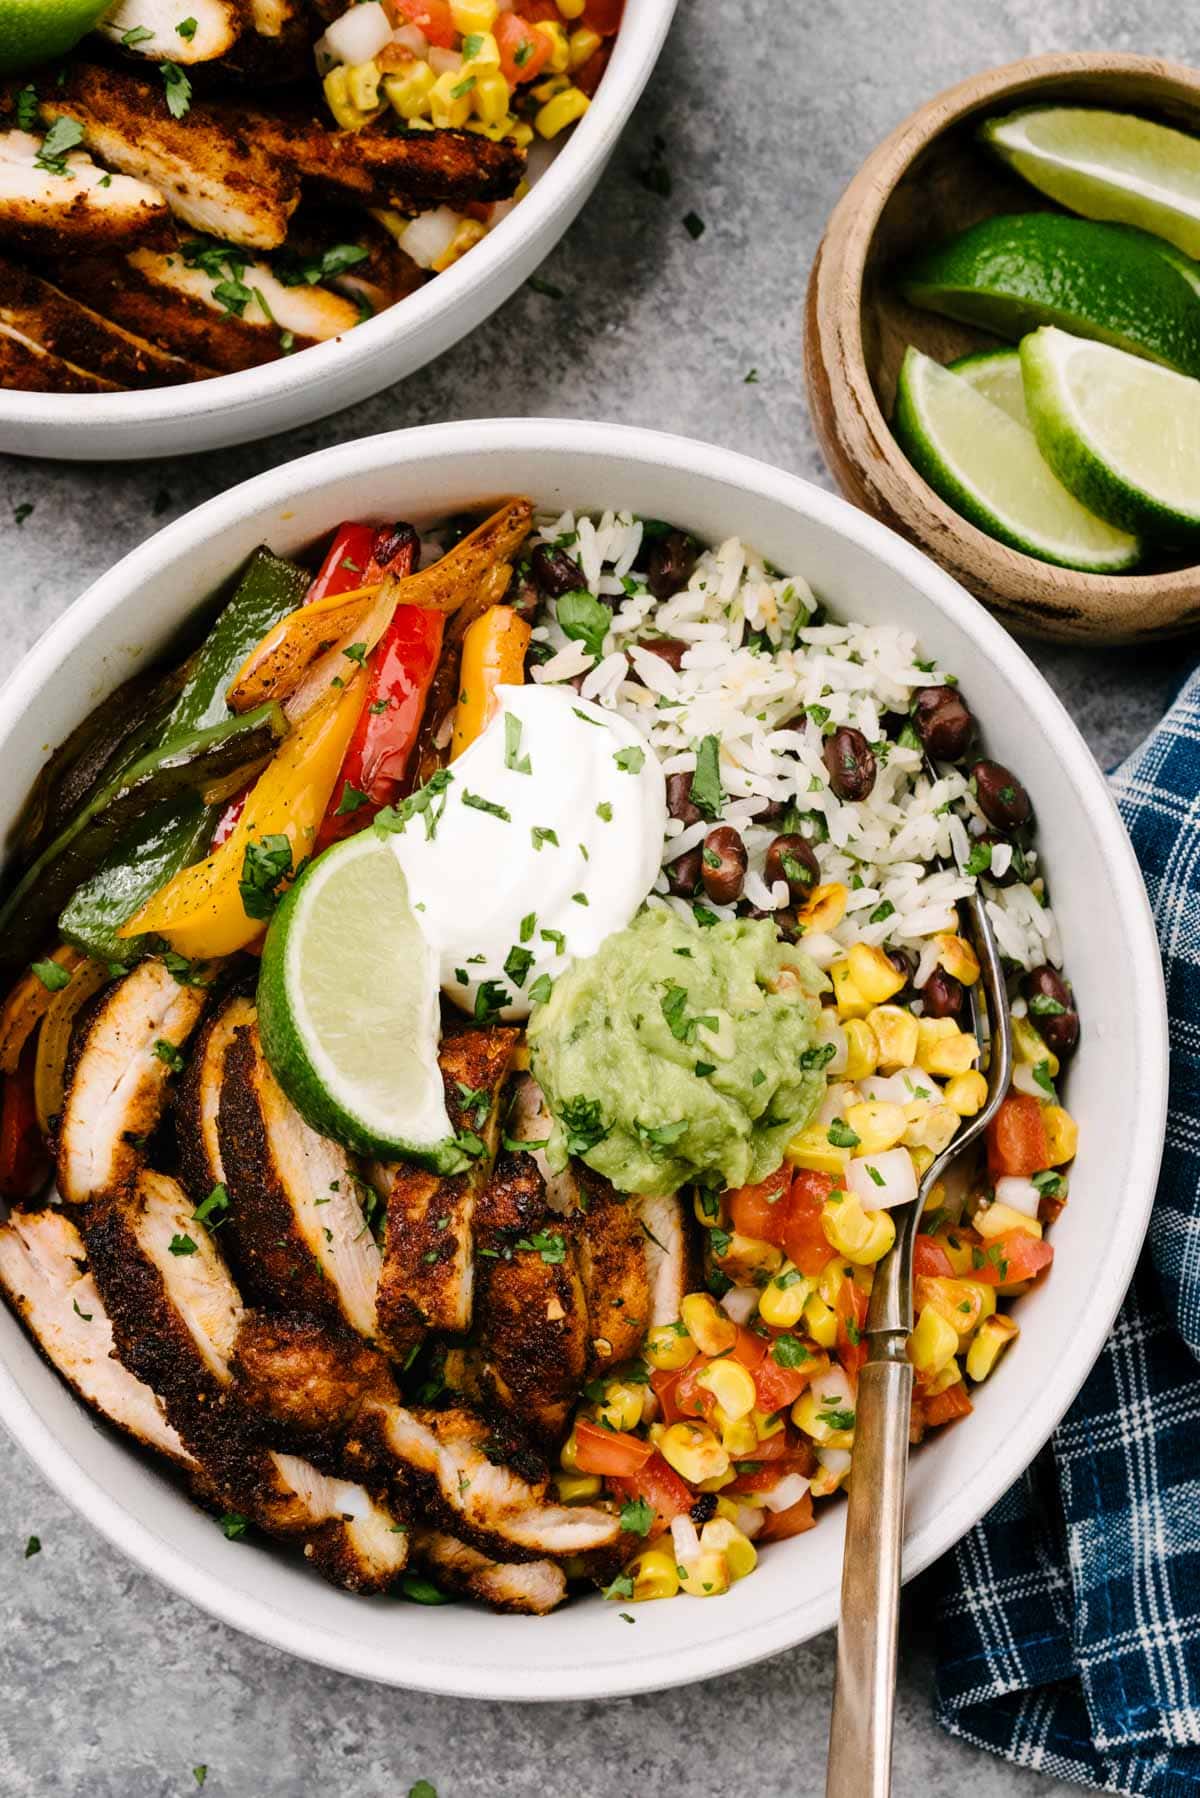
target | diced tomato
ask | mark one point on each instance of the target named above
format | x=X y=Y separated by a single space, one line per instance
x=690 y=1399
x=24 y=1162
x=944 y=1407
x=851 y=1308
x=1010 y=1258
x=761 y=1211
x=930 y=1260
x=749 y=1348
x=804 y=1238
x=1016 y=1138
x=524 y=52
x=792 y=1522
x=433 y=17
x=661 y=1487
x=778 y=1386
x=663 y=1383
x=793 y=1459
x=779 y=1447
x=604 y=16
x=614 y=1453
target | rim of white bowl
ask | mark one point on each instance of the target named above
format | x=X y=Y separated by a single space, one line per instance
x=637 y=49
x=960 y=1508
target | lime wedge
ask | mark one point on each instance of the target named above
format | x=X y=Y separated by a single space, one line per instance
x=1107 y=165
x=1121 y=434
x=1012 y=274
x=996 y=374
x=987 y=466
x=32 y=31
x=348 y=1008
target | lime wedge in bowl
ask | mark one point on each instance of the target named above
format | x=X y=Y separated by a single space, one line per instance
x=996 y=374
x=1106 y=165
x=1012 y=274
x=1123 y=435
x=348 y=1008
x=33 y=31
x=987 y=466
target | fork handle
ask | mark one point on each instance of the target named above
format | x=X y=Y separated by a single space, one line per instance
x=864 y=1698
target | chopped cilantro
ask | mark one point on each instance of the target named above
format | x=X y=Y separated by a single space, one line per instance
x=63 y=136
x=630 y=760
x=637 y=1517
x=520 y=764
x=585 y=619
x=584 y=1124
x=182 y=1245
x=170 y=1054
x=541 y=836
x=52 y=975
x=178 y=88
x=841 y=1135
x=694 y=225
x=604 y=812
x=264 y=865
x=518 y=963
x=705 y=791
x=541 y=989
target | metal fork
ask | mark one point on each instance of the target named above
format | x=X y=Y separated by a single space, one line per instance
x=860 y=1732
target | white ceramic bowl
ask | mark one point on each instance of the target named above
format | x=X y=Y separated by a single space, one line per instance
x=171 y=421
x=1117 y=1084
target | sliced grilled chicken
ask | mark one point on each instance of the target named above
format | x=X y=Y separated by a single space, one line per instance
x=427 y=1281
x=412 y=172
x=304 y=1377
x=210 y=166
x=349 y=1537
x=670 y=1264
x=442 y=1463
x=611 y=1248
x=277 y=46
x=44 y=211
x=73 y=332
x=199 y=1098
x=297 y=1233
x=150 y=28
x=533 y=1587
x=44 y=1276
x=529 y=1122
x=118 y=1073
x=276 y=320
x=27 y=368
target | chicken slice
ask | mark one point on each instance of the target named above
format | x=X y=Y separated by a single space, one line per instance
x=428 y=1274
x=670 y=1264
x=150 y=28
x=26 y=367
x=351 y=1539
x=529 y=1122
x=611 y=1248
x=211 y=166
x=298 y=1235
x=44 y=1276
x=533 y=1587
x=441 y=1461
x=43 y=211
x=123 y=1053
x=76 y=334
x=305 y=1378
x=409 y=172
x=199 y=1098
x=159 y=286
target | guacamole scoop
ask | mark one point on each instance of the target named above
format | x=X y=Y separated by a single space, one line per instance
x=679 y=1053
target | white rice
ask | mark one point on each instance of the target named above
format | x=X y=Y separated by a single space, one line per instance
x=885 y=848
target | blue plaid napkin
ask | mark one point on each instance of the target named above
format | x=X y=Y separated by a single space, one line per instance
x=1069 y=1619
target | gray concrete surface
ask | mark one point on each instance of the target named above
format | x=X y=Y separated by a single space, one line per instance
x=109 y=1685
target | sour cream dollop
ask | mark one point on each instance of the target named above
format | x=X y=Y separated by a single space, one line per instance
x=546 y=839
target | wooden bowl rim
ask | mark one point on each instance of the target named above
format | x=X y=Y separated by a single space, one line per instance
x=858 y=213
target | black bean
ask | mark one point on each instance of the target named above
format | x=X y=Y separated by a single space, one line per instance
x=670 y=563
x=942 y=995
x=792 y=858
x=942 y=719
x=683 y=874
x=555 y=571
x=1052 y=1008
x=679 y=798
x=723 y=864
x=901 y=963
x=1002 y=799
x=670 y=649
x=704 y=1509
x=851 y=763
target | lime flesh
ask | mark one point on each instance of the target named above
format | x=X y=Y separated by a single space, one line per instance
x=996 y=374
x=33 y=31
x=987 y=466
x=1121 y=434
x=348 y=1007
x=1012 y=274
x=1107 y=165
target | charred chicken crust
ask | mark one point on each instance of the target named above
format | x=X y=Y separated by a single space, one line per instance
x=199 y=1098
x=304 y=1378
x=531 y=1587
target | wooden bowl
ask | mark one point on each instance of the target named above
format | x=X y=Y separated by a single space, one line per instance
x=925 y=182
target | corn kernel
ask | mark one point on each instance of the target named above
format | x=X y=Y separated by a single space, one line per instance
x=560 y=54
x=571 y=9
x=709 y=1208
x=621 y=1406
x=1062 y=1134
x=450 y=99
x=878 y=1125
x=707 y=1577
x=731 y=1386
x=951 y=1375
x=966 y=1093
x=960 y=1302
x=929 y=1126
x=469 y=233
x=872 y=973
x=766 y=1426
x=721 y=1535
x=987 y=1298
x=490 y=98
x=521 y=134
x=832 y=1279
x=575 y=1488
x=362 y=83
x=709 y=1328
x=1029 y=1047
x=922 y=1160
x=782 y=1301
x=470 y=16
x=862 y=1051
x=818 y=1418
x=694 y=1452
x=562 y=111
x=829 y=1475
x=851 y=1001
x=738 y=1436
x=957 y=1252
x=934 y=1342
x=668 y=1347
x=549 y=86
x=718 y=1480
x=824 y=908
x=485 y=52
x=582 y=45
x=995 y=1334
x=653 y=1573
x=944 y=1051
x=958 y=958
x=743 y=1258
x=820 y=1320
x=998 y=1219
x=896 y=1032
x=861 y=1236
x=812 y=1149
x=336 y=87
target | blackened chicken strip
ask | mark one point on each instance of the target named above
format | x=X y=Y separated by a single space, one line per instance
x=350 y=1537
x=297 y=1232
x=44 y=1276
x=150 y=29
x=611 y=1247
x=199 y=1099
x=27 y=368
x=428 y=1274
x=210 y=166
x=66 y=328
x=409 y=172
x=532 y=1587
x=304 y=1378
x=72 y=205
x=126 y=1046
x=671 y=1263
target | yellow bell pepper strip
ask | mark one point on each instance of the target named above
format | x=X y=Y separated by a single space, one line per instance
x=54 y=1039
x=275 y=666
x=493 y=655
x=451 y=581
x=29 y=1001
x=202 y=912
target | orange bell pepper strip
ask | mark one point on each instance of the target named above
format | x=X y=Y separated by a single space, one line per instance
x=201 y=912
x=493 y=655
x=449 y=582
x=274 y=667
x=26 y=1006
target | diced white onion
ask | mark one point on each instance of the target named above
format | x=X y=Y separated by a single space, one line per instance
x=750 y=1520
x=430 y=235
x=685 y=1540
x=902 y=1087
x=881 y=1181
x=740 y=1303
x=411 y=37
x=833 y=1391
x=837 y=1098
x=359 y=34
x=926 y=965
x=834 y=1460
x=1026 y=1081
x=784 y=1493
x=444 y=62
x=1021 y=1194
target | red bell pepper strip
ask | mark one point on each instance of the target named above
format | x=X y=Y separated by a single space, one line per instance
x=24 y=1161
